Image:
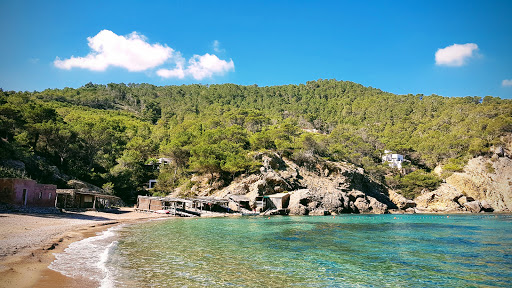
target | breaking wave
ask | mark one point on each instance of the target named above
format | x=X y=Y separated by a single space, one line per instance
x=89 y=257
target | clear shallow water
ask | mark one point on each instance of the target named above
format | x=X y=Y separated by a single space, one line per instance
x=345 y=251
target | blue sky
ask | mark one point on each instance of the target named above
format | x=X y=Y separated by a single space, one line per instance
x=390 y=45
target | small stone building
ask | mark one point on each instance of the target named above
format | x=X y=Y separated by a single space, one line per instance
x=239 y=203
x=149 y=203
x=278 y=201
x=26 y=192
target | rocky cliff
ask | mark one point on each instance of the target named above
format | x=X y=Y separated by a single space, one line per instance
x=484 y=185
x=322 y=188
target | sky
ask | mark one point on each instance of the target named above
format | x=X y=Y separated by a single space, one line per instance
x=448 y=48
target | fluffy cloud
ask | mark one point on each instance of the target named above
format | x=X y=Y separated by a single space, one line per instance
x=455 y=55
x=134 y=53
x=199 y=67
x=109 y=49
x=506 y=82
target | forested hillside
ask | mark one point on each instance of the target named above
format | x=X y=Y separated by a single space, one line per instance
x=110 y=134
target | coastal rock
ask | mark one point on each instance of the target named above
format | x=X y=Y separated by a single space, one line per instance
x=400 y=201
x=322 y=186
x=473 y=207
x=464 y=199
x=319 y=212
x=362 y=205
x=486 y=179
x=444 y=199
x=336 y=202
x=355 y=195
x=377 y=206
x=485 y=206
x=299 y=201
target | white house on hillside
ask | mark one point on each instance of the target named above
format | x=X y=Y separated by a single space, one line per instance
x=394 y=160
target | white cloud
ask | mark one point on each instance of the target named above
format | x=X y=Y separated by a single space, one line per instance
x=109 y=49
x=134 y=53
x=199 y=67
x=506 y=82
x=216 y=47
x=455 y=55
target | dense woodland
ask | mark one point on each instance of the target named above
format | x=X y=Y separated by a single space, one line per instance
x=110 y=135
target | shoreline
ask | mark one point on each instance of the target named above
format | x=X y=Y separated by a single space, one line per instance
x=27 y=265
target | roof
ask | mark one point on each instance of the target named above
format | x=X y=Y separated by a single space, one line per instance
x=238 y=198
x=71 y=191
x=278 y=195
x=209 y=200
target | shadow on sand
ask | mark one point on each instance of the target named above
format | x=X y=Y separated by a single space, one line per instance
x=73 y=214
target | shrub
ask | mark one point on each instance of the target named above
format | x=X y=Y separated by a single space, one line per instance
x=412 y=184
x=455 y=165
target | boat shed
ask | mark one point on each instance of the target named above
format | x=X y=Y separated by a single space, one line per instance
x=85 y=199
x=150 y=204
x=239 y=203
x=278 y=201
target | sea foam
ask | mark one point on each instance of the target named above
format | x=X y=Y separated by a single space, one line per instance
x=89 y=257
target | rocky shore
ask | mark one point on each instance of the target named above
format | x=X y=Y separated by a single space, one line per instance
x=325 y=188
x=331 y=188
x=485 y=185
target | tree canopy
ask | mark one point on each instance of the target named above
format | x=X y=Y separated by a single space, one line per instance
x=105 y=134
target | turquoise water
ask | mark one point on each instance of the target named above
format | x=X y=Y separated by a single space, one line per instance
x=345 y=251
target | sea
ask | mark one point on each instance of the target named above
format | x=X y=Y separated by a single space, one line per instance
x=391 y=250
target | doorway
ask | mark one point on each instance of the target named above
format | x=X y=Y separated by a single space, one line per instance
x=25 y=197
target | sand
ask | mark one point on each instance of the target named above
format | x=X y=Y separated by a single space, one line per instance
x=28 y=243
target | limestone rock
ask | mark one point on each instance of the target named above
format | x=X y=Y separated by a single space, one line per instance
x=479 y=183
x=473 y=207
x=444 y=199
x=299 y=201
x=331 y=187
x=485 y=206
x=362 y=205
x=400 y=201
x=410 y=210
x=377 y=206
x=319 y=212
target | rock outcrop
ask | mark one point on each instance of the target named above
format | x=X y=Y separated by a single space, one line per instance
x=324 y=188
x=484 y=186
x=486 y=179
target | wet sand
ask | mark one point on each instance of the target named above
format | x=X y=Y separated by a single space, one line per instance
x=28 y=243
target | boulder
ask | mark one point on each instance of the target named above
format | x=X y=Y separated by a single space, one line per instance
x=444 y=199
x=473 y=206
x=362 y=205
x=299 y=200
x=464 y=199
x=240 y=189
x=336 y=202
x=355 y=194
x=400 y=201
x=486 y=207
x=410 y=210
x=377 y=206
x=319 y=212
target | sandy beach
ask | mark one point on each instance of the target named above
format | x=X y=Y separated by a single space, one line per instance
x=28 y=243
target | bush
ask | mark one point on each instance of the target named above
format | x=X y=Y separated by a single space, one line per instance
x=455 y=165
x=489 y=168
x=412 y=184
x=7 y=172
